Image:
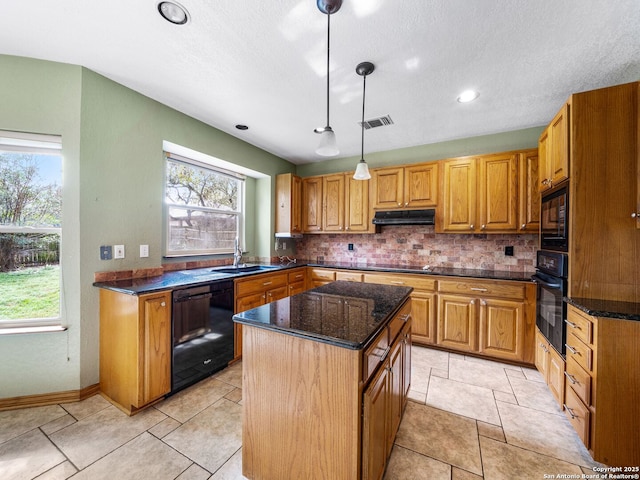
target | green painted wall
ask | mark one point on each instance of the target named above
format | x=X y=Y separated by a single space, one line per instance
x=499 y=142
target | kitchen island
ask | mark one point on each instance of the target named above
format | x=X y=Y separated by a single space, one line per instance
x=325 y=380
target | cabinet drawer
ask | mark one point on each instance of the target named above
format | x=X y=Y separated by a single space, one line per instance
x=578 y=415
x=397 y=322
x=579 y=325
x=579 y=352
x=297 y=276
x=503 y=290
x=260 y=284
x=322 y=274
x=375 y=354
x=415 y=281
x=579 y=381
x=295 y=288
x=349 y=276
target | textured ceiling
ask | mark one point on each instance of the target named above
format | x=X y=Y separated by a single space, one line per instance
x=263 y=63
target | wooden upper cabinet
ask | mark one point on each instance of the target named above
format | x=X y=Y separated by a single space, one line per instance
x=497 y=192
x=528 y=191
x=288 y=204
x=413 y=186
x=356 y=200
x=458 y=212
x=333 y=203
x=312 y=204
x=553 y=146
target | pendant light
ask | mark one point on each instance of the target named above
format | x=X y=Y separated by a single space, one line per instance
x=328 y=146
x=362 y=170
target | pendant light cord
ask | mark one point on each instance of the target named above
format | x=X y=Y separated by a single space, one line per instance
x=364 y=89
x=328 y=50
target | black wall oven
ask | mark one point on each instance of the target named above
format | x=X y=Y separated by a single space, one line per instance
x=554 y=219
x=551 y=310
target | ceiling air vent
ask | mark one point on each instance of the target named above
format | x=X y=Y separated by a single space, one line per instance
x=377 y=122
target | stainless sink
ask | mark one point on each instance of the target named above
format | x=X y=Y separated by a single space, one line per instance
x=243 y=269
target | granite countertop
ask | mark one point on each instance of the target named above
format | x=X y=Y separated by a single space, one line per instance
x=606 y=308
x=316 y=314
x=199 y=276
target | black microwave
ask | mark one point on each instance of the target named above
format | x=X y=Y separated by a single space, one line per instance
x=554 y=219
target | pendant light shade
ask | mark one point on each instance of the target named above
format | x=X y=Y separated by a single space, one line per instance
x=328 y=146
x=362 y=169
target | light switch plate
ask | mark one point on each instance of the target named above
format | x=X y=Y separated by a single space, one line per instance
x=105 y=252
x=144 y=251
x=118 y=251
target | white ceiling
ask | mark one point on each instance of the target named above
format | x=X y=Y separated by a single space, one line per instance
x=263 y=63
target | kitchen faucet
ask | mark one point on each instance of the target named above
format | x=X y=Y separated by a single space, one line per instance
x=237 y=253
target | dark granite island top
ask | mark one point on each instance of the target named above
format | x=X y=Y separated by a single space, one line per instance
x=316 y=313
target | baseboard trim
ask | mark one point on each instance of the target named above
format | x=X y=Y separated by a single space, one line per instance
x=54 y=398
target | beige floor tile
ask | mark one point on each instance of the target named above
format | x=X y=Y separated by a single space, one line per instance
x=514 y=373
x=194 y=472
x=423 y=357
x=144 y=457
x=536 y=395
x=408 y=465
x=231 y=375
x=14 y=423
x=61 y=471
x=492 y=431
x=232 y=470
x=440 y=435
x=533 y=375
x=17 y=464
x=234 y=395
x=506 y=462
x=493 y=363
x=93 y=437
x=439 y=372
x=505 y=397
x=58 y=424
x=86 y=407
x=165 y=427
x=419 y=397
x=463 y=399
x=193 y=400
x=542 y=432
x=219 y=425
x=420 y=379
x=483 y=374
x=459 y=474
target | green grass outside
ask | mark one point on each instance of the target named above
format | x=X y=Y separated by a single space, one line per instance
x=30 y=293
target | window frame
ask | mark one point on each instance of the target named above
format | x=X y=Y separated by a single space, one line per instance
x=240 y=213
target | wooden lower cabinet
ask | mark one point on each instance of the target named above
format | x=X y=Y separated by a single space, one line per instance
x=135 y=348
x=348 y=421
x=551 y=366
x=602 y=383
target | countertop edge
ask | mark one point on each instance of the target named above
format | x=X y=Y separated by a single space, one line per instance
x=606 y=308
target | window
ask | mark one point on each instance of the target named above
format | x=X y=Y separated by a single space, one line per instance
x=204 y=208
x=30 y=229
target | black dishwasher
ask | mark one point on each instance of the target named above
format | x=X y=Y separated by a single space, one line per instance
x=202 y=332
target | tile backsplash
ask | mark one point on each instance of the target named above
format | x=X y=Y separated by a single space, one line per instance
x=420 y=246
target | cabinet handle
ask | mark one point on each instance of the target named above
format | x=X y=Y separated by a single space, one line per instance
x=635 y=215
x=163 y=304
x=571 y=349
x=571 y=324
x=347 y=228
x=264 y=297
x=483 y=303
x=483 y=226
x=399 y=204
x=471 y=227
x=544 y=347
x=571 y=378
x=406 y=317
x=472 y=302
x=524 y=225
x=406 y=204
x=385 y=353
x=264 y=284
x=475 y=289
x=573 y=415
x=396 y=282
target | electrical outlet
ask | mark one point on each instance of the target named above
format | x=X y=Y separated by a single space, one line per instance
x=508 y=251
x=105 y=252
x=118 y=251
x=144 y=251
x=284 y=245
x=350 y=247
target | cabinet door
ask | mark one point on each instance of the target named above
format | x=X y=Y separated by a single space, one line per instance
x=388 y=189
x=396 y=397
x=421 y=186
x=542 y=355
x=459 y=196
x=357 y=216
x=556 y=375
x=498 y=193
x=312 y=204
x=544 y=161
x=423 y=313
x=156 y=348
x=333 y=203
x=528 y=191
x=276 y=294
x=406 y=359
x=374 y=426
x=558 y=152
x=457 y=322
x=288 y=208
x=502 y=326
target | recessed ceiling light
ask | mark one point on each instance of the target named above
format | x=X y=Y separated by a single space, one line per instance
x=242 y=127
x=468 y=96
x=173 y=12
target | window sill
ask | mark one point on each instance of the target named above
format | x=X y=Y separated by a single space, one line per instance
x=32 y=329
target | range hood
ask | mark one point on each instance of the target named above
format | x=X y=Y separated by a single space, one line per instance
x=405 y=217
